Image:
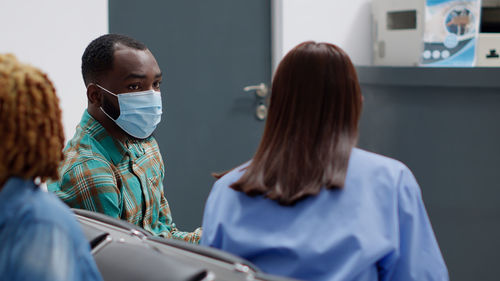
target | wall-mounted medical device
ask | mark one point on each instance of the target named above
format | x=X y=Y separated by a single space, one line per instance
x=397 y=32
x=436 y=32
x=488 y=46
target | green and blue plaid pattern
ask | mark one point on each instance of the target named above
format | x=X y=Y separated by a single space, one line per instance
x=120 y=179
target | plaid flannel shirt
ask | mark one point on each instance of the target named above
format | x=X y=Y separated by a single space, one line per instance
x=121 y=180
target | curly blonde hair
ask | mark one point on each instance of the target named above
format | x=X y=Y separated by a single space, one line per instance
x=31 y=131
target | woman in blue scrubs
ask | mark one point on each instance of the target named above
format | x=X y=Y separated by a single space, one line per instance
x=310 y=205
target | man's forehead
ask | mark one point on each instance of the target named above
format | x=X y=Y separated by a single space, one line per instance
x=128 y=60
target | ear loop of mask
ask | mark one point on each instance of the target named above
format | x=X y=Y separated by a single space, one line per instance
x=106 y=90
x=103 y=111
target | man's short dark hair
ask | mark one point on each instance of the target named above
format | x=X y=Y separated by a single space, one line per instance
x=98 y=56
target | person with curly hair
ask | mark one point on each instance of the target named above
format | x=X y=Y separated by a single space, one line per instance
x=41 y=239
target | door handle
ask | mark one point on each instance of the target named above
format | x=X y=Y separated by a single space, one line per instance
x=261 y=90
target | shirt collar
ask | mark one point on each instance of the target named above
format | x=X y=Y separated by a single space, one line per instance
x=115 y=150
x=15 y=186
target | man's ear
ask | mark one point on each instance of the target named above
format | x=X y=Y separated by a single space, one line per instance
x=94 y=94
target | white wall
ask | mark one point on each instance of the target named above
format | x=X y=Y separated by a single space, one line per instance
x=344 y=23
x=52 y=35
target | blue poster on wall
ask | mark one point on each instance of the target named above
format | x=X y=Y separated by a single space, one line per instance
x=451 y=32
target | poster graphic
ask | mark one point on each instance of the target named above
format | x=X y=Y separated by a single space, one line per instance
x=451 y=32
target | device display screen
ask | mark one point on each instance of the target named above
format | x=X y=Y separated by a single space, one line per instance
x=402 y=20
x=490 y=20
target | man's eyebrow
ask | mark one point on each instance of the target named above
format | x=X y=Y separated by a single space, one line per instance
x=135 y=75
x=140 y=76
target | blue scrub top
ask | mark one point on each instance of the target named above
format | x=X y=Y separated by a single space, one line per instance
x=40 y=237
x=376 y=228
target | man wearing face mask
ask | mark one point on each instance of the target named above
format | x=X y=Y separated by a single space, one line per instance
x=112 y=164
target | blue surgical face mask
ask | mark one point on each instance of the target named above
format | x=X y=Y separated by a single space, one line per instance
x=140 y=112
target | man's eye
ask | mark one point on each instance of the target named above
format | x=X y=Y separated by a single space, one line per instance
x=156 y=85
x=133 y=87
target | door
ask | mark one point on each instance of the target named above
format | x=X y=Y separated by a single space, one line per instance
x=208 y=52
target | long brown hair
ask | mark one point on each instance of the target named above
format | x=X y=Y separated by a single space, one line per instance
x=31 y=131
x=311 y=127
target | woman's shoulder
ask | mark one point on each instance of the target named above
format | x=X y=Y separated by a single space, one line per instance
x=232 y=175
x=49 y=207
x=378 y=168
x=371 y=159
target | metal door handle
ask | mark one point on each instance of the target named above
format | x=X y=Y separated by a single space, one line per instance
x=261 y=90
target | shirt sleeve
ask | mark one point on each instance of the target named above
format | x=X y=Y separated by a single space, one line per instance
x=171 y=230
x=418 y=256
x=90 y=185
x=43 y=252
x=191 y=237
